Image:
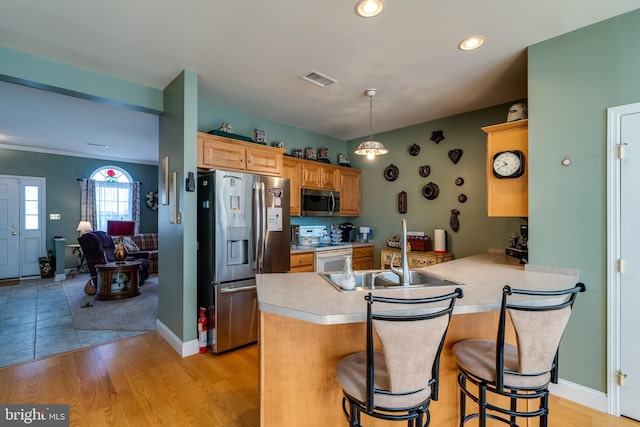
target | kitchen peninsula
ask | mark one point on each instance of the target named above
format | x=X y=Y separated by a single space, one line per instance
x=307 y=326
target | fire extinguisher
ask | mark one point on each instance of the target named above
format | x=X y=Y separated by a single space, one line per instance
x=202 y=331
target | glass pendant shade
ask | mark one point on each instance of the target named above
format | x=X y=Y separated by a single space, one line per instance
x=371 y=148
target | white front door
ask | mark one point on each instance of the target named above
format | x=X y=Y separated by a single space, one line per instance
x=22 y=225
x=9 y=228
x=630 y=272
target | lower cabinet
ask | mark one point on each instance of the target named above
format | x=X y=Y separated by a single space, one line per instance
x=416 y=259
x=302 y=262
x=363 y=258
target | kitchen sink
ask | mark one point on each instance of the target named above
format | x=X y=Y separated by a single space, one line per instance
x=385 y=279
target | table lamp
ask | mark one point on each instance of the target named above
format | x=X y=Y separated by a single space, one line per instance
x=120 y=229
x=84 y=227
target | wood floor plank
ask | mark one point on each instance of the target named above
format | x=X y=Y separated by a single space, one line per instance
x=141 y=381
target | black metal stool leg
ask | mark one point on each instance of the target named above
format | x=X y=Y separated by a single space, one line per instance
x=482 y=405
x=514 y=408
x=463 y=398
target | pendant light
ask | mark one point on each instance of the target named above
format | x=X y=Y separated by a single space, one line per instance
x=371 y=148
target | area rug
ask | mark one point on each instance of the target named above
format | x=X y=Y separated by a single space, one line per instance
x=130 y=314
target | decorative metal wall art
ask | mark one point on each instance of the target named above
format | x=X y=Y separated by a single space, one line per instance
x=459 y=181
x=391 y=172
x=454 y=222
x=455 y=155
x=437 y=136
x=414 y=150
x=431 y=191
x=462 y=198
x=402 y=202
x=424 y=170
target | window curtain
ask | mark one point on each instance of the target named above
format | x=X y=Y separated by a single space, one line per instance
x=104 y=201
x=88 y=210
x=135 y=201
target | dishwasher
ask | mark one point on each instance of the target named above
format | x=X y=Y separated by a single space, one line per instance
x=331 y=258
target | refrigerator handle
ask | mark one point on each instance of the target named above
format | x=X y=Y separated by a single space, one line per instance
x=263 y=231
x=257 y=225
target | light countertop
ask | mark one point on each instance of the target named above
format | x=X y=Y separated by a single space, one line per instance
x=308 y=297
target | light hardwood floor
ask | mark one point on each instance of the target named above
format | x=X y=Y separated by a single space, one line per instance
x=141 y=381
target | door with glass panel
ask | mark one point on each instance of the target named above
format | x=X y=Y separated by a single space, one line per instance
x=22 y=233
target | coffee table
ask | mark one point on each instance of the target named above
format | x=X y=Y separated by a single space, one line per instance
x=117 y=280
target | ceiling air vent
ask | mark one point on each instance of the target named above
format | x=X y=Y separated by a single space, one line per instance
x=319 y=79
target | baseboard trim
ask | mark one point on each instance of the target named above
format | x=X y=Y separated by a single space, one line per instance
x=59 y=277
x=184 y=349
x=580 y=394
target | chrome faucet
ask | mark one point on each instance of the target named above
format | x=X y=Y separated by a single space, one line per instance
x=402 y=273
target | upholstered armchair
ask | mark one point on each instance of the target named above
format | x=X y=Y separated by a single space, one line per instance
x=98 y=248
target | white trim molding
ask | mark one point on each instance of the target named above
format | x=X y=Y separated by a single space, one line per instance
x=580 y=394
x=184 y=349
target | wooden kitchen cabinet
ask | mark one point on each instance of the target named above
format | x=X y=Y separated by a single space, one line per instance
x=320 y=176
x=507 y=197
x=302 y=262
x=363 y=258
x=291 y=168
x=416 y=259
x=349 y=192
x=229 y=154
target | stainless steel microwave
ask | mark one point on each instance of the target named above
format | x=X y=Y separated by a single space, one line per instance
x=320 y=202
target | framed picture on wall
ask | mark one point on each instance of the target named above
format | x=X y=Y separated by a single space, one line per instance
x=164 y=172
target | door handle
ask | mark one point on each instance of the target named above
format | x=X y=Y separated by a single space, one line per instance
x=14 y=233
x=240 y=289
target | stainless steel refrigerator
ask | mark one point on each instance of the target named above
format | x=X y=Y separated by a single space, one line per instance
x=243 y=229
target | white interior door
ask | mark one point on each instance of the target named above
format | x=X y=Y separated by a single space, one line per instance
x=630 y=272
x=9 y=227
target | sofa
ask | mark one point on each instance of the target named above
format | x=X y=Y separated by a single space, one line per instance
x=145 y=242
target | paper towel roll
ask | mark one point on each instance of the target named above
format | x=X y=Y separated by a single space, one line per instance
x=439 y=241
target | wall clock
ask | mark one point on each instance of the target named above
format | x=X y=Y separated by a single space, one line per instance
x=508 y=164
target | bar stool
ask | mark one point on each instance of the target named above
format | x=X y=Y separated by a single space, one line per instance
x=398 y=382
x=518 y=373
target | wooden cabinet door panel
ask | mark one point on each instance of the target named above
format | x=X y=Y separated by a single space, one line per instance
x=220 y=154
x=264 y=161
x=291 y=169
x=349 y=192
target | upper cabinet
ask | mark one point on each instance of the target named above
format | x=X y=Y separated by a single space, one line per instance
x=230 y=154
x=291 y=168
x=507 y=169
x=317 y=175
x=349 y=192
x=320 y=176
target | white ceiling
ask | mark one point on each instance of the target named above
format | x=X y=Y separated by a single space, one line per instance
x=249 y=56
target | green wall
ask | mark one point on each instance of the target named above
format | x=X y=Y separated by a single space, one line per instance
x=573 y=79
x=477 y=232
x=63 y=189
x=210 y=116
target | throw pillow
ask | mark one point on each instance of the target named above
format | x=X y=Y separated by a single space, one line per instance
x=130 y=245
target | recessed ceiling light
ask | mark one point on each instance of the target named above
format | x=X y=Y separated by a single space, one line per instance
x=471 y=43
x=369 y=8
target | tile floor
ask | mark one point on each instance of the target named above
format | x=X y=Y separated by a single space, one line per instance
x=35 y=322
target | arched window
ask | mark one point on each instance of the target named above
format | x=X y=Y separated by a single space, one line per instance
x=114 y=195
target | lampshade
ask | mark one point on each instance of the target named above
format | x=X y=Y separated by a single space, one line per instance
x=121 y=228
x=84 y=227
x=371 y=148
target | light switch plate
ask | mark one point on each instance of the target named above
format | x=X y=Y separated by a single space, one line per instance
x=54 y=216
